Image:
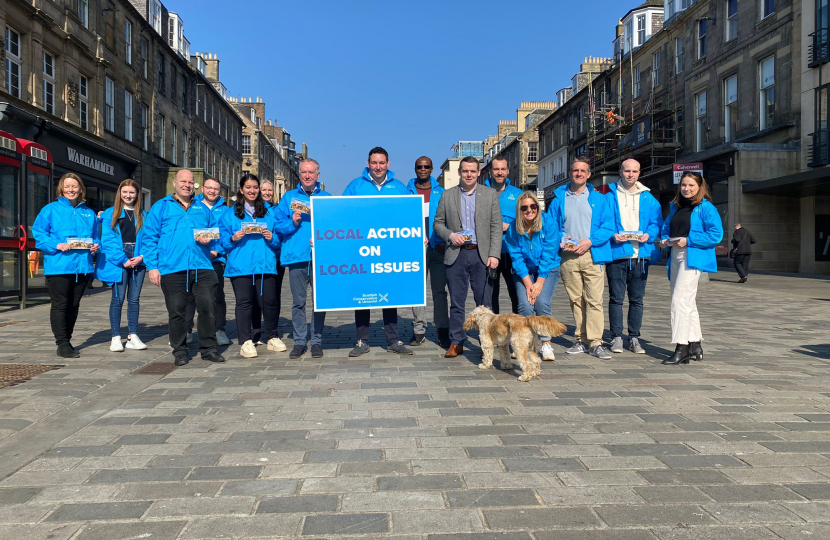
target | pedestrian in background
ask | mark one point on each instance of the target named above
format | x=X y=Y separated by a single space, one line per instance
x=67 y=267
x=294 y=228
x=742 y=241
x=692 y=230
x=533 y=243
x=120 y=263
x=508 y=194
x=426 y=186
x=251 y=264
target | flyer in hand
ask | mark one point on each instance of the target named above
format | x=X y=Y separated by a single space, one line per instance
x=300 y=205
x=79 y=243
x=631 y=235
x=211 y=233
x=253 y=227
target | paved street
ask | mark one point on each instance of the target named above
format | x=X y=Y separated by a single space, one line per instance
x=735 y=447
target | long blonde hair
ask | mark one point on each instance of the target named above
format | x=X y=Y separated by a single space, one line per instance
x=119 y=204
x=536 y=225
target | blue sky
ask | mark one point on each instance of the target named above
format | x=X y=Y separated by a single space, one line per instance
x=411 y=76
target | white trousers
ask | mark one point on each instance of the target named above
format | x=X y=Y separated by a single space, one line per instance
x=685 y=321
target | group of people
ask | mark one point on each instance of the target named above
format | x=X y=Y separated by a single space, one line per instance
x=476 y=235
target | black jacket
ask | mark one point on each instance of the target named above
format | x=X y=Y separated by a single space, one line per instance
x=742 y=241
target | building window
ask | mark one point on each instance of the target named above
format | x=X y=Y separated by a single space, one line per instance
x=128 y=116
x=731 y=19
x=108 y=14
x=160 y=136
x=767 y=8
x=220 y=123
x=641 y=29
x=581 y=119
x=83 y=102
x=655 y=68
x=730 y=109
x=197 y=145
x=109 y=104
x=205 y=157
x=128 y=42
x=532 y=152
x=143 y=52
x=766 y=73
x=174 y=138
x=212 y=122
x=160 y=85
x=246 y=144
x=174 y=76
x=83 y=12
x=13 y=61
x=820 y=38
x=48 y=88
x=629 y=36
x=678 y=55
x=184 y=92
x=701 y=39
x=700 y=120
x=184 y=149
x=145 y=132
x=637 y=86
x=155 y=16
x=820 y=135
x=669 y=9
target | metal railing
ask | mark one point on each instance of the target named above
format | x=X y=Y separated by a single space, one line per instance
x=818 y=151
x=818 y=50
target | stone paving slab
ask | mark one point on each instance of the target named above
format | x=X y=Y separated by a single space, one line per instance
x=425 y=448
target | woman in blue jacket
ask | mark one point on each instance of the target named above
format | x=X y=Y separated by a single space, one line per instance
x=533 y=243
x=691 y=230
x=252 y=264
x=67 y=263
x=120 y=264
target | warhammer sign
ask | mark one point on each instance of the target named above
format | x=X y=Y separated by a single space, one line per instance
x=92 y=163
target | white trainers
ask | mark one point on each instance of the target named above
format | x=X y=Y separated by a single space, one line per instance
x=116 y=345
x=547 y=352
x=275 y=344
x=191 y=337
x=248 y=349
x=222 y=338
x=134 y=343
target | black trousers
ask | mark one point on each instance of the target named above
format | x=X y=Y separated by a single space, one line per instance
x=65 y=292
x=505 y=269
x=362 y=321
x=256 y=313
x=202 y=284
x=221 y=311
x=258 y=290
x=741 y=263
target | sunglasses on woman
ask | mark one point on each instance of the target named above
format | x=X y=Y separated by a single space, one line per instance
x=526 y=207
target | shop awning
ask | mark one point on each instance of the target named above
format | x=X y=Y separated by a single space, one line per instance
x=803 y=184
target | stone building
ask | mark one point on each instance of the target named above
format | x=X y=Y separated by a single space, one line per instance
x=449 y=176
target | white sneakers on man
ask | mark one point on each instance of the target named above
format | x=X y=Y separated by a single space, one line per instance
x=222 y=338
x=275 y=344
x=248 y=349
x=134 y=343
x=116 y=345
x=547 y=352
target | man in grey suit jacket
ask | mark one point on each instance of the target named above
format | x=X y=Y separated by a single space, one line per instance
x=469 y=220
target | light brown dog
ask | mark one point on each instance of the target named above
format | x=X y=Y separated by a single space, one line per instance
x=520 y=332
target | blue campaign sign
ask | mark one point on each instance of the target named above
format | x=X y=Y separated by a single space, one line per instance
x=368 y=252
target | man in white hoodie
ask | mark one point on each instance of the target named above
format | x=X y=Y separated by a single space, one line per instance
x=638 y=220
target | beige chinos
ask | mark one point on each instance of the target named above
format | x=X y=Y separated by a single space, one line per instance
x=584 y=281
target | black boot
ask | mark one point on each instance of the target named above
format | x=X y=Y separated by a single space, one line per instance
x=695 y=350
x=444 y=338
x=680 y=356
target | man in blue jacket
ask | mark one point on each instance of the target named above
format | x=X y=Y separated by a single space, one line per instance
x=377 y=179
x=508 y=195
x=294 y=228
x=210 y=197
x=426 y=186
x=180 y=261
x=587 y=227
x=635 y=210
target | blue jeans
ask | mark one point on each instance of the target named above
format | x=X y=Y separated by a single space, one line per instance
x=541 y=307
x=130 y=287
x=626 y=275
x=300 y=279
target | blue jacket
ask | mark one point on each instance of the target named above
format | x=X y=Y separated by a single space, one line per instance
x=296 y=239
x=539 y=254
x=651 y=220
x=252 y=254
x=434 y=197
x=109 y=264
x=706 y=232
x=364 y=185
x=167 y=241
x=218 y=210
x=56 y=222
x=507 y=202
x=602 y=221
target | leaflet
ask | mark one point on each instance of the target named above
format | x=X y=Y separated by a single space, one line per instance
x=211 y=233
x=254 y=227
x=300 y=205
x=631 y=235
x=467 y=235
x=79 y=243
x=569 y=244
